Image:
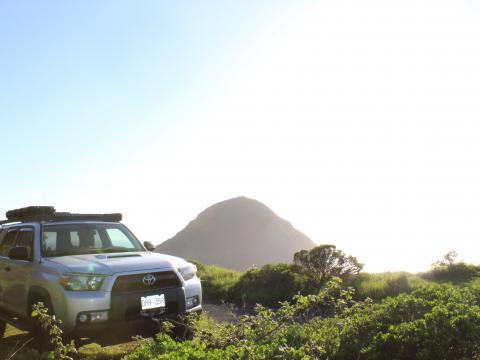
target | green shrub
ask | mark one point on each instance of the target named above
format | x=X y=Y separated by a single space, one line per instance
x=474 y=287
x=378 y=286
x=433 y=322
x=455 y=273
x=263 y=336
x=270 y=284
x=217 y=282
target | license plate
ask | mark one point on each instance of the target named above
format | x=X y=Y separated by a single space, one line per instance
x=153 y=302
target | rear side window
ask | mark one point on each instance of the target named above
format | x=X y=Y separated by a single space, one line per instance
x=8 y=242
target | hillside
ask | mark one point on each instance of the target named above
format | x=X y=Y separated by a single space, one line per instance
x=237 y=233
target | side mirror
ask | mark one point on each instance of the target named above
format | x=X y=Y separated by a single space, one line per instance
x=19 y=253
x=149 y=246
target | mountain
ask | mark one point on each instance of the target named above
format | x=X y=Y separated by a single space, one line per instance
x=237 y=233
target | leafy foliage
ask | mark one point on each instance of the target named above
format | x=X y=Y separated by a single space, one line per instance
x=455 y=273
x=381 y=285
x=411 y=318
x=271 y=284
x=449 y=259
x=325 y=261
x=217 y=282
x=263 y=336
x=433 y=322
x=52 y=326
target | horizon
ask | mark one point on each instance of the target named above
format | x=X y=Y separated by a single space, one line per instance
x=357 y=123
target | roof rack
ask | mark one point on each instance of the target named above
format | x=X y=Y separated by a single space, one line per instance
x=48 y=213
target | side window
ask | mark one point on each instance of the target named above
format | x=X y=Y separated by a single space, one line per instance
x=86 y=238
x=49 y=242
x=97 y=240
x=119 y=239
x=74 y=239
x=25 y=239
x=8 y=242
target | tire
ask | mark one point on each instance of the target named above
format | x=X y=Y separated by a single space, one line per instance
x=40 y=335
x=3 y=326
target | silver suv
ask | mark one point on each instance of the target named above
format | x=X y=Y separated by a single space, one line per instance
x=89 y=270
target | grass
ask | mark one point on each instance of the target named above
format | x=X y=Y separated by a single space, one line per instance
x=457 y=273
x=217 y=282
x=378 y=286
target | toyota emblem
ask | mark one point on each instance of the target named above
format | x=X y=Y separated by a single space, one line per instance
x=149 y=279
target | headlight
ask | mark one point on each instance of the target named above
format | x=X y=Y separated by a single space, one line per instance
x=82 y=282
x=188 y=271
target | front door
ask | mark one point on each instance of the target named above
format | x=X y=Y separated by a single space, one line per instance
x=16 y=292
x=7 y=243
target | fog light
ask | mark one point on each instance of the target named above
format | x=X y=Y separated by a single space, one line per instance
x=92 y=317
x=98 y=316
x=83 y=318
x=192 y=302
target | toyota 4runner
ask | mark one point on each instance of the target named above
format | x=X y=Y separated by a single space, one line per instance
x=89 y=270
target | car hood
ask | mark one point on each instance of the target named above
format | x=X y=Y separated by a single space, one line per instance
x=112 y=263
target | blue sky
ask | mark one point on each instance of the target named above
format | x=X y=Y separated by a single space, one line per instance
x=84 y=85
x=356 y=121
x=88 y=80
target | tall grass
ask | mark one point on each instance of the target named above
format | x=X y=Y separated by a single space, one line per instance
x=377 y=286
x=217 y=282
x=457 y=273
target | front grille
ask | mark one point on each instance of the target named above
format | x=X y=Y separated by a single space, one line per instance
x=132 y=283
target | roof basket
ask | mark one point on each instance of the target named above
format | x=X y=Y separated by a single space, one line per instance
x=48 y=213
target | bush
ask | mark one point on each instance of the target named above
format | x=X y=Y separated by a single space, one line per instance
x=433 y=322
x=455 y=273
x=271 y=284
x=381 y=285
x=217 y=282
x=263 y=336
x=326 y=261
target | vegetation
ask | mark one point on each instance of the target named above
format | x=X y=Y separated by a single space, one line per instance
x=456 y=273
x=365 y=316
x=324 y=261
x=270 y=284
x=279 y=282
x=381 y=285
x=273 y=283
x=217 y=282
x=433 y=322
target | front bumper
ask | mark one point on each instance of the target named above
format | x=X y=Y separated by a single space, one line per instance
x=139 y=326
x=124 y=309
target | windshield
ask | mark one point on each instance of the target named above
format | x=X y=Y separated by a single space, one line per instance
x=87 y=238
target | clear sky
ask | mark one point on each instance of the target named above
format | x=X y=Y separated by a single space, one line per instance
x=358 y=121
